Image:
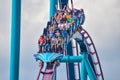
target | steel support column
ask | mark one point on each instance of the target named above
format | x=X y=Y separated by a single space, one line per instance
x=63 y=3
x=83 y=69
x=71 y=59
x=15 y=40
x=88 y=67
x=53 y=4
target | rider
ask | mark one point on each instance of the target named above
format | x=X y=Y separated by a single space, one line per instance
x=41 y=43
x=82 y=17
x=60 y=44
x=51 y=32
x=53 y=44
x=57 y=33
x=47 y=44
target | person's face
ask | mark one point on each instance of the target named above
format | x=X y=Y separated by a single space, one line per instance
x=53 y=37
x=57 y=31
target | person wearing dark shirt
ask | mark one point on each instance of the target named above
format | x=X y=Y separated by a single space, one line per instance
x=47 y=44
x=82 y=17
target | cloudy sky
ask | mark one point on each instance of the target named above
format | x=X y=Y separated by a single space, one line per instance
x=102 y=23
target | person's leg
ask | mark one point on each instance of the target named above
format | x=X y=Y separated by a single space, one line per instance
x=52 y=48
x=45 y=48
x=55 y=48
x=38 y=48
x=49 y=47
x=61 y=49
x=42 y=48
x=78 y=21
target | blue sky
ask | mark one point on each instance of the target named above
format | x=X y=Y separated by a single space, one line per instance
x=102 y=23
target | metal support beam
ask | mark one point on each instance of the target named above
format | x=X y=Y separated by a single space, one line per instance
x=15 y=40
x=72 y=4
x=55 y=75
x=63 y=3
x=53 y=4
x=83 y=70
x=71 y=59
x=88 y=67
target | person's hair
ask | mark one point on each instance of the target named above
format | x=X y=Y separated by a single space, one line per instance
x=41 y=36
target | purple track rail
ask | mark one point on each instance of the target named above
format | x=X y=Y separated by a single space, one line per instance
x=49 y=72
x=87 y=36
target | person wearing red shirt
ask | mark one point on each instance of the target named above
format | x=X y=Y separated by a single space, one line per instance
x=41 y=44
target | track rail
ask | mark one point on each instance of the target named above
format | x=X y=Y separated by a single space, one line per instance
x=93 y=53
x=78 y=63
x=49 y=72
x=67 y=67
x=39 y=72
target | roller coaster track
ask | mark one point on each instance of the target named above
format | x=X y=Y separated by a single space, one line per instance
x=95 y=62
x=94 y=59
x=49 y=72
x=93 y=53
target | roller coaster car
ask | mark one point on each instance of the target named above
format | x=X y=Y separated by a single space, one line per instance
x=49 y=58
